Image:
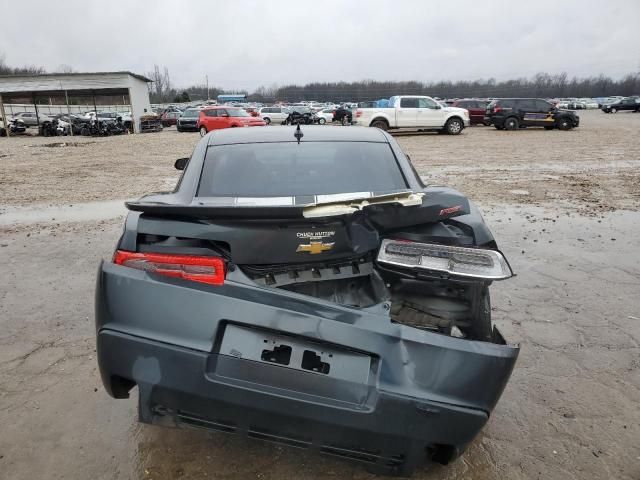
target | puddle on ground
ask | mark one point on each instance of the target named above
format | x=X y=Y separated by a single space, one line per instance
x=77 y=212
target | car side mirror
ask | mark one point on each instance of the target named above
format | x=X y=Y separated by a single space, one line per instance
x=181 y=163
x=438 y=107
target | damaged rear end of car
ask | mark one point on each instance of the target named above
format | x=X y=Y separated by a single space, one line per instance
x=305 y=287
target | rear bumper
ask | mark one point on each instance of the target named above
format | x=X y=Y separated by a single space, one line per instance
x=174 y=341
x=191 y=126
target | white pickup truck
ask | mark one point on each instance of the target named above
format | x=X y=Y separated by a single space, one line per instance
x=415 y=112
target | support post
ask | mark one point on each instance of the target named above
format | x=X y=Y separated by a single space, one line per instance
x=35 y=105
x=66 y=97
x=137 y=128
x=4 y=117
x=95 y=109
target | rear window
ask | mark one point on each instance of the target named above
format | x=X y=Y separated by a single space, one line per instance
x=408 y=103
x=292 y=169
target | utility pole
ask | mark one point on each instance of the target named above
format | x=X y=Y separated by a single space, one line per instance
x=208 y=97
x=4 y=118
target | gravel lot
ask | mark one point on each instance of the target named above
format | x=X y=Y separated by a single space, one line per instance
x=565 y=207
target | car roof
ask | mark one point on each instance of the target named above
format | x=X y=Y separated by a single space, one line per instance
x=311 y=133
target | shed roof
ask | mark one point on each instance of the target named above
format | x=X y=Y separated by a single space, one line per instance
x=125 y=72
x=68 y=81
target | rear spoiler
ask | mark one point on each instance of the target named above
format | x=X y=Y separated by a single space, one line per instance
x=208 y=211
x=327 y=209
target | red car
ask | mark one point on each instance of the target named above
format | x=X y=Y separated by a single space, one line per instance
x=215 y=118
x=477 y=109
x=169 y=118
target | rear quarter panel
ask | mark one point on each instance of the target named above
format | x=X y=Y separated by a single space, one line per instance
x=371 y=114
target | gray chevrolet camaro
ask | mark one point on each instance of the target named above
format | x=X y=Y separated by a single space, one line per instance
x=303 y=286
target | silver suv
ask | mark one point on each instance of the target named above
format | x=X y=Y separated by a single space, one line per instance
x=30 y=119
x=275 y=115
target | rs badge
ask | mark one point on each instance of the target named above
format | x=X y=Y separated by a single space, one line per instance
x=314 y=247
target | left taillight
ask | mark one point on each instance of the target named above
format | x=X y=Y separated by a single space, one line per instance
x=208 y=270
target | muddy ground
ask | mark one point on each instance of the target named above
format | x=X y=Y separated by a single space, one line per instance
x=564 y=206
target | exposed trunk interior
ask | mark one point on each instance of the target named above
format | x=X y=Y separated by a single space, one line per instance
x=447 y=306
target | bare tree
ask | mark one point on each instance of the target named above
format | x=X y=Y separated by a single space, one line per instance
x=64 y=68
x=161 y=89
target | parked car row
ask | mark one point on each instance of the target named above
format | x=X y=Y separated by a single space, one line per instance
x=47 y=125
x=427 y=113
x=206 y=118
x=576 y=103
x=413 y=111
x=88 y=123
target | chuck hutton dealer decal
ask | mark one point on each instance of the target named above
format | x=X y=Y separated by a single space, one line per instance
x=315 y=245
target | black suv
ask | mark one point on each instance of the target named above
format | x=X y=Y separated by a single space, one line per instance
x=514 y=113
x=629 y=103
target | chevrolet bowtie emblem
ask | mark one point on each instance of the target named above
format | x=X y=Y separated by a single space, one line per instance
x=315 y=247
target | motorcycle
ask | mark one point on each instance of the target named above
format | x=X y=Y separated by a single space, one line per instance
x=49 y=128
x=95 y=128
x=77 y=124
x=117 y=127
x=299 y=118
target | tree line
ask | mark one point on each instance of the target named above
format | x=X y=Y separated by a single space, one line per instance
x=24 y=70
x=542 y=85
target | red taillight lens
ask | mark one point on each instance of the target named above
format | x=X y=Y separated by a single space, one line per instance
x=358 y=113
x=496 y=109
x=197 y=269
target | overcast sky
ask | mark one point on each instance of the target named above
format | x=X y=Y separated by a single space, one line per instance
x=244 y=43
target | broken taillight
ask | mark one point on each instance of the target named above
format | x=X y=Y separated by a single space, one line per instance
x=208 y=270
x=461 y=261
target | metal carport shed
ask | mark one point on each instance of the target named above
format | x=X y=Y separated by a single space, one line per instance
x=88 y=86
